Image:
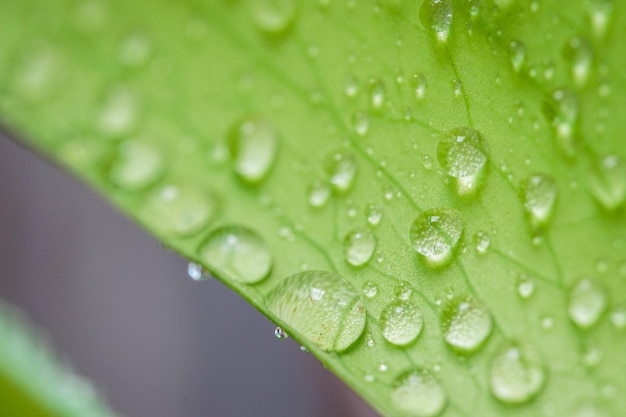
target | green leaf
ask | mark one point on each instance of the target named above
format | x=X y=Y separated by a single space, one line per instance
x=453 y=170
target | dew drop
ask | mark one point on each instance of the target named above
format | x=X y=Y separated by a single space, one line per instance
x=600 y=15
x=401 y=322
x=91 y=16
x=418 y=82
x=539 y=193
x=588 y=409
x=119 y=113
x=237 y=253
x=436 y=15
x=253 y=145
x=517 y=53
x=135 y=50
x=352 y=86
x=360 y=123
x=462 y=156
x=273 y=16
x=38 y=72
x=435 y=234
x=525 y=287
x=341 y=168
x=587 y=302
x=136 y=166
x=370 y=289
x=359 y=246
x=618 y=318
x=321 y=306
x=374 y=214
x=466 y=324
x=608 y=181
x=319 y=193
x=565 y=119
x=403 y=290
x=481 y=242
x=580 y=55
x=417 y=393
x=280 y=334
x=182 y=210
x=517 y=374
x=196 y=272
x=377 y=93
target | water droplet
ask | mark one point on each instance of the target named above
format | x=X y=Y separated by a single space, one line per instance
x=91 y=16
x=608 y=181
x=517 y=52
x=591 y=357
x=403 y=290
x=587 y=302
x=196 y=272
x=462 y=155
x=600 y=14
x=482 y=242
x=547 y=323
x=359 y=246
x=565 y=119
x=119 y=113
x=618 y=318
x=377 y=93
x=580 y=55
x=341 y=168
x=273 y=16
x=253 y=145
x=237 y=253
x=179 y=210
x=466 y=324
x=38 y=71
x=435 y=234
x=525 y=287
x=417 y=393
x=352 y=86
x=319 y=193
x=135 y=50
x=401 y=322
x=280 y=334
x=437 y=15
x=539 y=193
x=418 y=82
x=137 y=166
x=370 y=289
x=323 y=307
x=517 y=374
x=360 y=123
x=374 y=214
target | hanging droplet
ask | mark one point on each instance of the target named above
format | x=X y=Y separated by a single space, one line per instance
x=360 y=123
x=517 y=374
x=539 y=193
x=377 y=93
x=580 y=55
x=600 y=14
x=136 y=166
x=436 y=15
x=253 y=145
x=466 y=324
x=587 y=302
x=435 y=234
x=517 y=53
x=179 y=210
x=608 y=181
x=237 y=253
x=119 y=113
x=273 y=16
x=280 y=334
x=403 y=290
x=341 y=168
x=370 y=289
x=196 y=272
x=319 y=193
x=417 y=393
x=482 y=242
x=374 y=214
x=418 y=82
x=321 y=306
x=359 y=246
x=462 y=156
x=401 y=322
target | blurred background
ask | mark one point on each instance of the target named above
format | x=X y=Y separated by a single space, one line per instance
x=123 y=311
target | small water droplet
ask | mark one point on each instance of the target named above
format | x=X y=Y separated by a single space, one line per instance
x=323 y=307
x=482 y=242
x=374 y=214
x=587 y=302
x=466 y=324
x=136 y=166
x=401 y=322
x=418 y=82
x=38 y=72
x=618 y=318
x=601 y=15
x=359 y=246
x=517 y=374
x=360 y=123
x=591 y=357
x=417 y=393
x=179 y=210
x=565 y=119
x=435 y=234
x=525 y=287
x=377 y=93
x=580 y=55
x=462 y=156
x=539 y=193
x=608 y=181
x=273 y=16
x=319 y=193
x=517 y=52
x=352 y=86
x=253 y=145
x=280 y=334
x=303 y=349
x=91 y=16
x=119 y=113
x=547 y=323
x=341 y=168
x=237 y=253
x=436 y=15
x=370 y=289
x=196 y=272
x=403 y=290
x=135 y=50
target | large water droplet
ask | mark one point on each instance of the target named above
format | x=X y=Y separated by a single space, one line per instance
x=539 y=193
x=600 y=13
x=119 y=114
x=253 y=145
x=359 y=246
x=179 y=210
x=321 y=306
x=435 y=234
x=401 y=322
x=436 y=15
x=517 y=374
x=587 y=302
x=517 y=52
x=608 y=181
x=466 y=324
x=462 y=155
x=137 y=166
x=273 y=16
x=578 y=51
x=417 y=393
x=237 y=253
x=280 y=334
x=341 y=168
